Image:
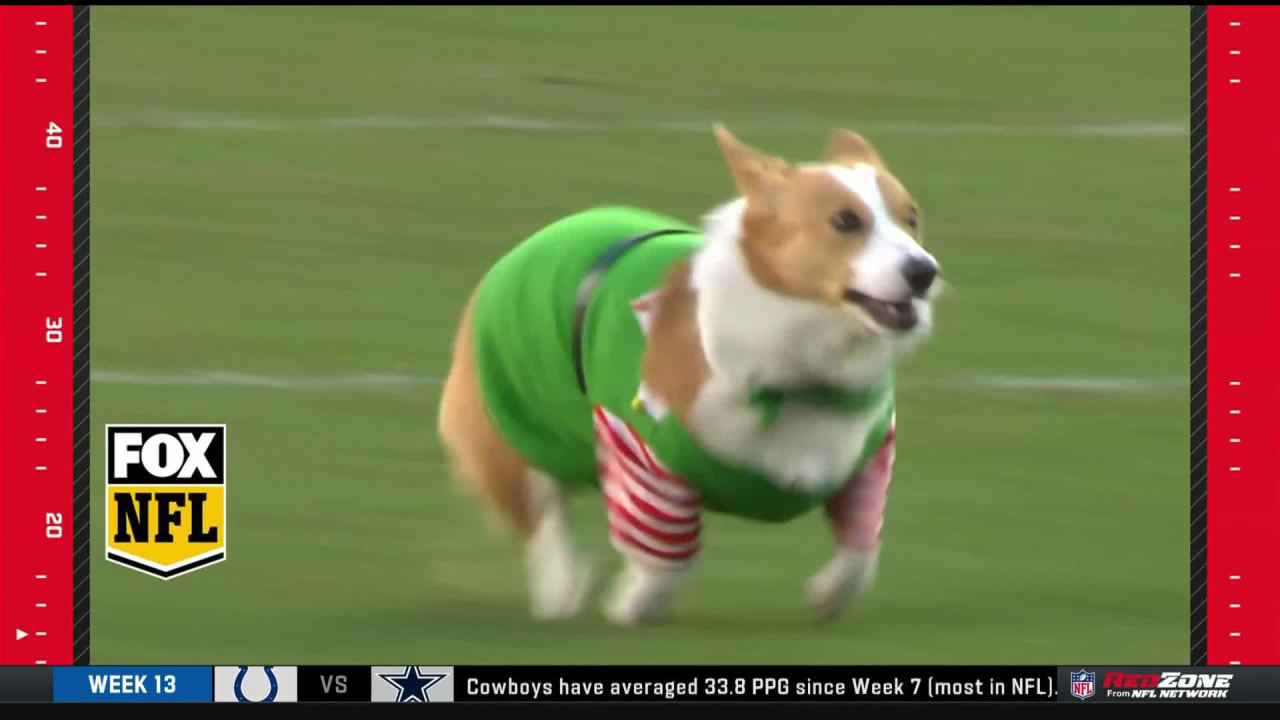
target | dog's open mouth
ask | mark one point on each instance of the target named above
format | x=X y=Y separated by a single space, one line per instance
x=893 y=315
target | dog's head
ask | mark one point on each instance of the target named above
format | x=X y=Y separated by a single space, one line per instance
x=843 y=237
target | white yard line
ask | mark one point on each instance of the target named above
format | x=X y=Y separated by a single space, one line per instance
x=1083 y=384
x=228 y=378
x=393 y=381
x=233 y=123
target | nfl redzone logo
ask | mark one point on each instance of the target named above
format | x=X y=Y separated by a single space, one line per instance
x=166 y=497
x=1167 y=685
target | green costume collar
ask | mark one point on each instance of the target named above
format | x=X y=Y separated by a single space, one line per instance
x=845 y=400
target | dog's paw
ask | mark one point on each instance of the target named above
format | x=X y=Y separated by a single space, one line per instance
x=560 y=592
x=641 y=597
x=849 y=574
x=560 y=581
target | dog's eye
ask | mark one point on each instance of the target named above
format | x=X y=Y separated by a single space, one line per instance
x=846 y=221
x=913 y=220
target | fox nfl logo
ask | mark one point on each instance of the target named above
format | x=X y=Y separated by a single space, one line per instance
x=166 y=497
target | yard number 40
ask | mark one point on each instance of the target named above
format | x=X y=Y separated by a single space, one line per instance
x=53 y=136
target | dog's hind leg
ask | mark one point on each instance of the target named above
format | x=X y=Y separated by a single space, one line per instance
x=518 y=496
x=482 y=459
x=559 y=579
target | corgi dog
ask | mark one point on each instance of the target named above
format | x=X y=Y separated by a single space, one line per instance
x=741 y=366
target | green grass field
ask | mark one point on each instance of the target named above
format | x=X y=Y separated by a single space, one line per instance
x=243 y=223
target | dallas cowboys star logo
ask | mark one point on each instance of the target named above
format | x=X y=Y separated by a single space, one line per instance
x=412 y=686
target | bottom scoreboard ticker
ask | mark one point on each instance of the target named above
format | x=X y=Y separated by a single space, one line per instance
x=490 y=684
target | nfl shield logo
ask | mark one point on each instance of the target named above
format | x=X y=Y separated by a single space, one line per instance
x=1082 y=684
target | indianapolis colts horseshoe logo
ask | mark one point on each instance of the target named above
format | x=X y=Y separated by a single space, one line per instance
x=271 y=677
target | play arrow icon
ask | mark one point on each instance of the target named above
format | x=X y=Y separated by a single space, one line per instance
x=21 y=634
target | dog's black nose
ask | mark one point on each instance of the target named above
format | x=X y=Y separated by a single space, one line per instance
x=919 y=273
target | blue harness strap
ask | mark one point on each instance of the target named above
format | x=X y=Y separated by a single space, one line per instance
x=587 y=289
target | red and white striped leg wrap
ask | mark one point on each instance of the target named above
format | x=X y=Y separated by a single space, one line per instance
x=857 y=513
x=654 y=516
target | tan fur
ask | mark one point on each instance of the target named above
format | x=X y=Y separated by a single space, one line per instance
x=788 y=241
x=849 y=149
x=793 y=249
x=674 y=365
x=483 y=460
x=901 y=204
x=755 y=173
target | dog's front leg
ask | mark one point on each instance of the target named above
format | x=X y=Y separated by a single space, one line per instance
x=658 y=554
x=654 y=522
x=856 y=516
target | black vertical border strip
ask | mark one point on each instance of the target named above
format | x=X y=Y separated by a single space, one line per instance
x=80 y=304
x=1199 y=310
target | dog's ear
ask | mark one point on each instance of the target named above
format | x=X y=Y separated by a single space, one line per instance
x=848 y=148
x=755 y=173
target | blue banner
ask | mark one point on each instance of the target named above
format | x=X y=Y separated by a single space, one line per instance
x=133 y=684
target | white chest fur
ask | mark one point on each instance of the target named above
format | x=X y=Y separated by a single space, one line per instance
x=806 y=449
x=754 y=337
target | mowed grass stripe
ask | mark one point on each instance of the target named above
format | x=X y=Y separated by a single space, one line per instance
x=499 y=121
x=382 y=380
